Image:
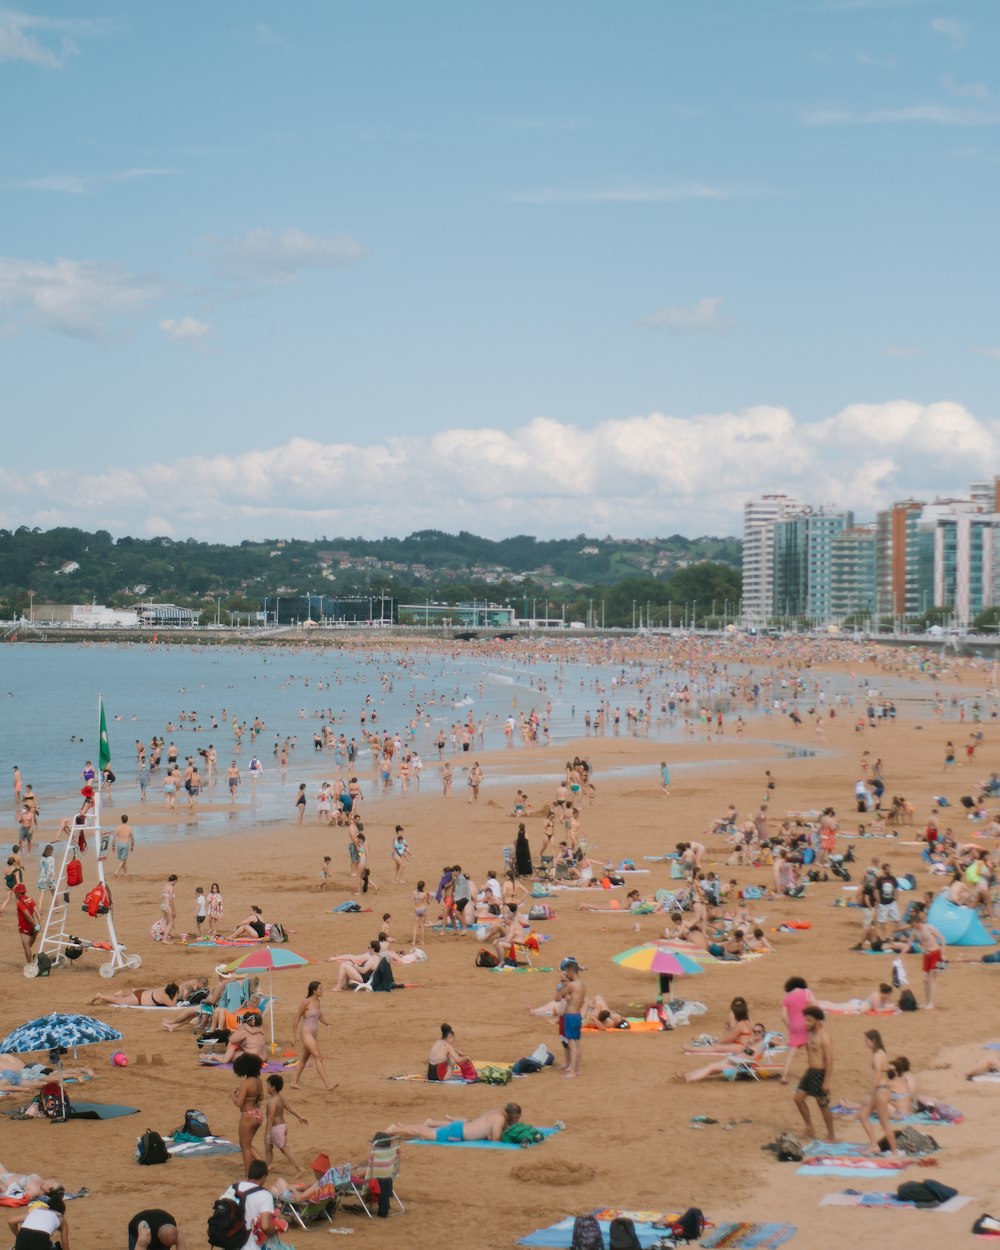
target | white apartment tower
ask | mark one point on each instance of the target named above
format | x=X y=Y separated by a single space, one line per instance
x=759 y=516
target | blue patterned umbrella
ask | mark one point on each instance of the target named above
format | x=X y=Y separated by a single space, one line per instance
x=58 y=1029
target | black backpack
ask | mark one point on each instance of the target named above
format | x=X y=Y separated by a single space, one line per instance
x=925 y=1193
x=622 y=1234
x=151 y=1148
x=587 y=1234
x=487 y=959
x=907 y=1001
x=227 y=1225
x=196 y=1124
x=691 y=1225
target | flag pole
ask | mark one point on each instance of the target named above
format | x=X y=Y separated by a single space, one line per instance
x=118 y=958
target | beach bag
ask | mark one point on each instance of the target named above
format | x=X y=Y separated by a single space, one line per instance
x=74 y=872
x=925 y=1193
x=196 y=1124
x=587 y=1234
x=912 y=1142
x=522 y=1134
x=677 y=871
x=227 y=1225
x=790 y=1149
x=54 y=1101
x=907 y=1001
x=277 y=932
x=150 y=1148
x=487 y=959
x=526 y=1067
x=691 y=1225
x=622 y=1234
x=468 y=1070
x=492 y=1075
x=540 y=912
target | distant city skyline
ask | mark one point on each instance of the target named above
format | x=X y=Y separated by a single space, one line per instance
x=547 y=269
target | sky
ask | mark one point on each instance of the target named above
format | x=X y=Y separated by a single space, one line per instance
x=340 y=268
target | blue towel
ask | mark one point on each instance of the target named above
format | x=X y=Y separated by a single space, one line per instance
x=479 y=1145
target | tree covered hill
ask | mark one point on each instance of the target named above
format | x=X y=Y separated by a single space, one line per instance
x=67 y=565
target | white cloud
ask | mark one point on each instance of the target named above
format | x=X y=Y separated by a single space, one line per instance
x=682 y=193
x=934 y=114
x=706 y=315
x=966 y=91
x=85 y=184
x=185 y=329
x=53 y=47
x=74 y=297
x=641 y=475
x=280 y=256
x=992 y=352
x=957 y=33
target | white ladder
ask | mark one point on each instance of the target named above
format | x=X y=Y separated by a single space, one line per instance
x=55 y=934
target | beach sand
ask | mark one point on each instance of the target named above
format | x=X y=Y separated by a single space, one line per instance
x=628 y=1141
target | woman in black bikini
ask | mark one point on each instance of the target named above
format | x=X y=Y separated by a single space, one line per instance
x=252 y=927
x=165 y=997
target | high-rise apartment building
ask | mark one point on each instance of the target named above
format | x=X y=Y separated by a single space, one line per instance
x=852 y=573
x=759 y=516
x=802 y=562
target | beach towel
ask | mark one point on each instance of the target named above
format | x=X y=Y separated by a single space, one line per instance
x=945 y=1115
x=557 y=1236
x=98 y=1111
x=206 y=1146
x=635 y=1025
x=272 y=1065
x=485 y=1145
x=853 y=1198
x=746 y=1236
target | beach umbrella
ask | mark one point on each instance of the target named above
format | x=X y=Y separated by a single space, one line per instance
x=269 y=959
x=689 y=949
x=59 y=1032
x=649 y=957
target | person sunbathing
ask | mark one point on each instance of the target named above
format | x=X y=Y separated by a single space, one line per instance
x=879 y=1000
x=754 y=1054
x=985 y=1068
x=358 y=970
x=489 y=1126
x=167 y=996
x=18 y=1186
x=203 y=1009
x=444 y=1058
x=739 y=1033
x=252 y=927
x=16 y=1075
x=215 y=1020
x=308 y=1191
x=248 y=1039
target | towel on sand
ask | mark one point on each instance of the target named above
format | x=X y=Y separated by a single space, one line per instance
x=481 y=1145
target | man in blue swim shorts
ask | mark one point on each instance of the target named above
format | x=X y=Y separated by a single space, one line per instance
x=487 y=1127
x=573 y=994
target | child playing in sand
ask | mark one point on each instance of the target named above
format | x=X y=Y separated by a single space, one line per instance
x=215 y=908
x=324 y=874
x=276 y=1130
x=200 y=907
x=421 y=901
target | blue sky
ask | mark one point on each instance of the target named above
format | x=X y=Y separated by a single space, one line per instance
x=354 y=268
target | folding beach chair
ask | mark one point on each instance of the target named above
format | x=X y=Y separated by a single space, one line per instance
x=373 y=1184
x=519 y=955
x=743 y=1066
x=321 y=1206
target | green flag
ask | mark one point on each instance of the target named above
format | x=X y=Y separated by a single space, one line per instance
x=104 y=748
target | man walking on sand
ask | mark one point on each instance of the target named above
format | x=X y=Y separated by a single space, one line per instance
x=816 y=1081
x=572 y=994
x=124 y=844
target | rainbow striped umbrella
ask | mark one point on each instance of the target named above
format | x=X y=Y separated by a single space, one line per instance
x=650 y=957
x=269 y=959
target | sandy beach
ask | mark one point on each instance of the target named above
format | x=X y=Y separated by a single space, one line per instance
x=629 y=1140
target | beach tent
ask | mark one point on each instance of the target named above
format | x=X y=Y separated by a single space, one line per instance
x=959 y=926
